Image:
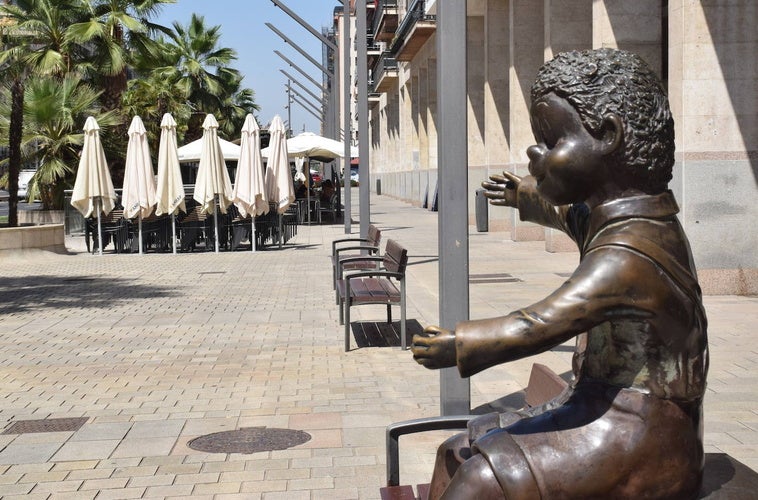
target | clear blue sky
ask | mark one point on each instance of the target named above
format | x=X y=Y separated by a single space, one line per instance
x=243 y=29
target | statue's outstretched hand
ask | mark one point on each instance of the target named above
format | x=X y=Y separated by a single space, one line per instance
x=501 y=189
x=435 y=348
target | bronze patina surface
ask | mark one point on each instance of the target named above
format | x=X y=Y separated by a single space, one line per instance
x=630 y=423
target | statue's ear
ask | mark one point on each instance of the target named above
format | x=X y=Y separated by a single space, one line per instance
x=612 y=133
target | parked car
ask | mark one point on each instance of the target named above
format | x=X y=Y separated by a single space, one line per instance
x=23 y=182
x=353 y=175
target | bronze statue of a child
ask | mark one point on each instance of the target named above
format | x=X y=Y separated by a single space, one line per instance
x=631 y=424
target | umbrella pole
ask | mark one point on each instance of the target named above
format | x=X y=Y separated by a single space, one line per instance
x=215 y=221
x=140 y=233
x=308 y=184
x=252 y=234
x=173 y=231
x=98 y=205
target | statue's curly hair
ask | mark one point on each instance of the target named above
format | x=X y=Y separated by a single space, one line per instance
x=602 y=81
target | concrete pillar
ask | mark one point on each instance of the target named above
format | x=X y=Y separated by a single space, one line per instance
x=496 y=102
x=476 y=73
x=713 y=81
x=567 y=27
x=526 y=56
x=633 y=26
x=432 y=128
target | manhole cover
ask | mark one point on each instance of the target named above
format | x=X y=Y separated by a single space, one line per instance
x=46 y=425
x=249 y=440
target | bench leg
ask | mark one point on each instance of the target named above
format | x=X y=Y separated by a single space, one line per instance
x=403 y=345
x=341 y=305
x=347 y=324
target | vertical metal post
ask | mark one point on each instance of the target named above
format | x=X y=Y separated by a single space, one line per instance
x=362 y=70
x=289 y=107
x=452 y=151
x=346 y=110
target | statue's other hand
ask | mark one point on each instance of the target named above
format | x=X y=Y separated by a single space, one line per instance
x=435 y=348
x=501 y=189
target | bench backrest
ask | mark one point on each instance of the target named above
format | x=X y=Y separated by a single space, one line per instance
x=395 y=257
x=374 y=236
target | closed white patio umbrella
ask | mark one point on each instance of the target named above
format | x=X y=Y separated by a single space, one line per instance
x=213 y=189
x=138 y=196
x=249 y=187
x=93 y=188
x=279 y=186
x=170 y=190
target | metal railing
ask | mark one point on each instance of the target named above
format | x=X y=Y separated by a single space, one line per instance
x=379 y=14
x=416 y=13
x=384 y=63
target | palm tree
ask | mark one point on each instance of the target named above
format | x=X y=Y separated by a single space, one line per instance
x=54 y=112
x=112 y=29
x=33 y=40
x=234 y=109
x=201 y=69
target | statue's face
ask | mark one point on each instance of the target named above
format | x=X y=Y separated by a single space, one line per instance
x=567 y=160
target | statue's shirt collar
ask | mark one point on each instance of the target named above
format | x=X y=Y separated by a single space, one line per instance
x=658 y=206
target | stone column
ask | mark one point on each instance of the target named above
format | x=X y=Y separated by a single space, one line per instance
x=568 y=26
x=432 y=128
x=476 y=72
x=496 y=102
x=526 y=56
x=633 y=26
x=713 y=83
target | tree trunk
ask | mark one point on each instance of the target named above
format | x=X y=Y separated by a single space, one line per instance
x=15 y=136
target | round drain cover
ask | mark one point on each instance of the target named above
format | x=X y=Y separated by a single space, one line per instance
x=249 y=440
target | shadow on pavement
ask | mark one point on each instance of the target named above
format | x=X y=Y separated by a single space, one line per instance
x=19 y=294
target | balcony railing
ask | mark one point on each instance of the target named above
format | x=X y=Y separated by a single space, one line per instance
x=385 y=19
x=383 y=73
x=415 y=28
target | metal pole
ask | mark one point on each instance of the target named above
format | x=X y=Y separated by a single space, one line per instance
x=291 y=79
x=302 y=72
x=306 y=108
x=302 y=52
x=289 y=107
x=452 y=151
x=362 y=69
x=346 y=110
x=306 y=100
x=99 y=208
x=305 y=25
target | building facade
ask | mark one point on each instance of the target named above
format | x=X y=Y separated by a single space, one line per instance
x=705 y=52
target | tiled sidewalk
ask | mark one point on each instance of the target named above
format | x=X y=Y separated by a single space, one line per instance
x=158 y=349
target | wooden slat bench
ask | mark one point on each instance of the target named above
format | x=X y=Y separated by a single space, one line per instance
x=354 y=247
x=544 y=385
x=375 y=286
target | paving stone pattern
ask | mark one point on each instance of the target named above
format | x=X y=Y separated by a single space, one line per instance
x=156 y=350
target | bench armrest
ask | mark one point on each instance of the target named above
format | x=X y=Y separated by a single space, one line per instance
x=394 y=431
x=369 y=274
x=360 y=258
x=344 y=240
x=369 y=248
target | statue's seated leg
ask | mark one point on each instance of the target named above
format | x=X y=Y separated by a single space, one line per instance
x=454 y=451
x=474 y=479
x=451 y=454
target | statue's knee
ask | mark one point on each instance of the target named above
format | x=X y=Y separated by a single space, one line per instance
x=455 y=448
x=474 y=479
